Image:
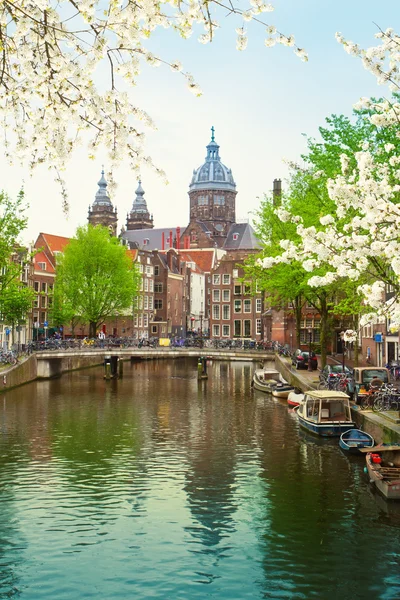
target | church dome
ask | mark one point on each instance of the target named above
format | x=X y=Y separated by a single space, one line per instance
x=212 y=174
x=102 y=198
x=139 y=204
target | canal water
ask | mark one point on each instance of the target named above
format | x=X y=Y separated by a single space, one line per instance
x=160 y=486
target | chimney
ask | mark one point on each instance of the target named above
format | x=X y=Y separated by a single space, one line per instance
x=277 y=192
x=187 y=242
x=163 y=241
x=170 y=256
x=171 y=241
x=178 y=238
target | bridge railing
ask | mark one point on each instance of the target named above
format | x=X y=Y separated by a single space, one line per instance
x=174 y=343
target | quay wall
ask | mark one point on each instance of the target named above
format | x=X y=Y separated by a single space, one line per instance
x=24 y=372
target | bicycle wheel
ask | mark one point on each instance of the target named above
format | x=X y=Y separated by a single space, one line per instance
x=378 y=403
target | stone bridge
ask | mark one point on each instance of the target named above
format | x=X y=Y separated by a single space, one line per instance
x=52 y=363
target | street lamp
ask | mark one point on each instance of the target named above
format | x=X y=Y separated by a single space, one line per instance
x=309 y=348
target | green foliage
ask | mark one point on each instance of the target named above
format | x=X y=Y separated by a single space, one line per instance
x=16 y=302
x=12 y=223
x=95 y=278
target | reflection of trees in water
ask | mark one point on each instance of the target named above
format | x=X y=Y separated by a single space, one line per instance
x=318 y=514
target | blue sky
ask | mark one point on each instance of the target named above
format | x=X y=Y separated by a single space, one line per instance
x=260 y=102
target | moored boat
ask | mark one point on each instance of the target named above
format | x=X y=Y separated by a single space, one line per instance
x=282 y=390
x=354 y=439
x=295 y=397
x=325 y=412
x=383 y=466
x=265 y=379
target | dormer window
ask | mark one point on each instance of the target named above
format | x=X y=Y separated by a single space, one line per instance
x=42 y=265
x=235 y=236
x=146 y=241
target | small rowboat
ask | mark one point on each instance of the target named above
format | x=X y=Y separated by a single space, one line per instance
x=282 y=390
x=383 y=467
x=354 y=439
x=295 y=397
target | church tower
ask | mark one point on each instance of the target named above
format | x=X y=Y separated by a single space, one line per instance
x=139 y=217
x=212 y=194
x=102 y=211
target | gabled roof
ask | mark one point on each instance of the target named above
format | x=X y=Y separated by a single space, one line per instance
x=204 y=259
x=41 y=257
x=56 y=243
x=241 y=236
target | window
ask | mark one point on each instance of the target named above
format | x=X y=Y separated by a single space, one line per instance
x=226 y=295
x=42 y=265
x=140 y=302
x=237 y=328
x=158 y=304
x=215 y=330
x=148 y=269
x=258 y=304
x=36 y=286
x=226 y=330
x=219 y=199
x=36 y=302
x=140 y=320
x=146 y=303
x=258 y=326
x=309 y=323
x=226 y=312
x=151 y=302
x=135 y=321
x=146 y=285
x=235 y=236
x=158 y=288
x=50 y=302
x=247 y=306
x=247 y=289
x=156 y=270
x=216 y=312
x=154 y=329
x=42 y=317
x=226 y=279
x=151 y=286
x=238 y=306
x=235 y=273
x=216 y=295
x=237 y=290
x=247 y=327
x=44 y=301
x=202 y=200
x=145 y=321
x=216 y=279
x=148 y=261
x=141 y=268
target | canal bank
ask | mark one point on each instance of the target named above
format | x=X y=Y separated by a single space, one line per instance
x=30 y=369
x=384 y=427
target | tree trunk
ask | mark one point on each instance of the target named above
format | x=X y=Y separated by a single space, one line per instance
x=298 y=304
x=92 y=329
x=323 y=311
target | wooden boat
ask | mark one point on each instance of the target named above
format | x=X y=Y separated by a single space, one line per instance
x=383 y=466
x=325 y=412
x=355 y=439
x=295 y=397
x=265 y=379
x=282 y=390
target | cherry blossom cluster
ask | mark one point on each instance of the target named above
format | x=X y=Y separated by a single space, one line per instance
x=360 y=240
x=53 y=59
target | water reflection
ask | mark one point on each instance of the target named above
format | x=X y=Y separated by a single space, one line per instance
x=158 y=484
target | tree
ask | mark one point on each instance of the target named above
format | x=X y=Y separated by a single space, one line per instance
x=95 y=277
x=16 y=302
x=52 y=53
x=12 y=223
x=361 y=234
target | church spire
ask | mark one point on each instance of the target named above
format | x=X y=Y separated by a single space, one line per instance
x=139 y=217
x=102 y=211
